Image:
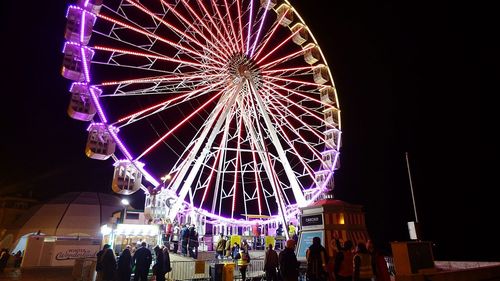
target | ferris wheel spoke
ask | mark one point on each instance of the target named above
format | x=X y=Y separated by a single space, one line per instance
x=172 y=27
x=230 y=22
x=227 y=34
x=221 y=38
x=151 y=56
x=294 y=130
x=149 y=34
x=177 y=126
x=236 y=166
x=285 y=58
x=269 y=36
x=293 y=71
x=315 y=100
x=164 y=105
x=225 y=53
x=298 y=82
x=278 y=46
x=251 y=47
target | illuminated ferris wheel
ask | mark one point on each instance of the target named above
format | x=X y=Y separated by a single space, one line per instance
x=232 y=99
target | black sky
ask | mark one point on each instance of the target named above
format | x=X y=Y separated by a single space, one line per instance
x=411 y=78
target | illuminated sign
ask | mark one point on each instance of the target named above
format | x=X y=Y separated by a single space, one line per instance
x=312 y=221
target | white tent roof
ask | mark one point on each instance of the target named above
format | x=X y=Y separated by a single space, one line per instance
x=72 y=214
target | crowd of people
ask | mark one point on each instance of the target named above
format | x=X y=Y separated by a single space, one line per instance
x=138 y=262
x=187 y=235
x=362 y=262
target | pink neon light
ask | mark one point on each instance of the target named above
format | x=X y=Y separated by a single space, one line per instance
x=302 y=95
x=235 y=49
x=249 y=27
x=173 y=27
x=279 y=45
x=224 y=42
x=293 y=81
x=164 y=103
x=149 y=34
x=300 y=52
x=178 y=125
x=188 y=22
x=291 y=69
x=240 y=25
x=162 y=78
x=260 y=27
x=276 y=25
x=139 y=54
x=231 y=23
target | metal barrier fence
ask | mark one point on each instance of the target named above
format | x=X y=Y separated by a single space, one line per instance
x=200 y=270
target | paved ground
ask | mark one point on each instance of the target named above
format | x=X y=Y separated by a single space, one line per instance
x=66 y=274
x=40 y=274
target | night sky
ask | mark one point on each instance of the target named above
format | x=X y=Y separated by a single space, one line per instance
x=410 y=78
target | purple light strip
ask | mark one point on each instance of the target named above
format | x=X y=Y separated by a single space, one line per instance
x=249 y=27
x=260 y=28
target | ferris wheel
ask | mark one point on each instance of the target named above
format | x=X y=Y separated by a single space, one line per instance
x=233 y=100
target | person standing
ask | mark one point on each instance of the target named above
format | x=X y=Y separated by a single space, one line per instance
x=243 y=262
x=379 y=265
x=108 y=265
x=271 y=264
x=317 y=259
x=159 y=266
x=228 y=252
x=166 y=260
x=184 y=239
x=125 y=265
x=175 y=237
x=193 y=242
x=98 y=265
x=362 y=264
x=235 y=250
x=219 y=249
x=288 y=264
x=343 y=264
x=142 y=261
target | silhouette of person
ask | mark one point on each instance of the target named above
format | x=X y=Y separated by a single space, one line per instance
x=142 y=261
x=125 y=265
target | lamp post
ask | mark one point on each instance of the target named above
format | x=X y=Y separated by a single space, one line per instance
x=125 y=204
x=413 y=227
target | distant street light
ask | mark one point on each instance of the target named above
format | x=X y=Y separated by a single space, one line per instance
x=166 y=178
x=125 y=203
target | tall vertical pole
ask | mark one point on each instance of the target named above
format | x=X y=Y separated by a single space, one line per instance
x=411 y=187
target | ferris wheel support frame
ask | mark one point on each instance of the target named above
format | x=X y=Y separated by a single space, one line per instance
x=199 y=161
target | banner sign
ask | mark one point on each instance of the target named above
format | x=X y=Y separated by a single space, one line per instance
x=65 y=255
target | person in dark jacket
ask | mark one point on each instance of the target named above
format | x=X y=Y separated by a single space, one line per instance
x=108 y=265
x=142 y=261
x=159 y=266
x=317 y=259
x=98 y=266
x=125 y=265
x=289 y=266
x=271 y=263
